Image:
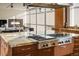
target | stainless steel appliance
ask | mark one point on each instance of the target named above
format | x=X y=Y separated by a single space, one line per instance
x=44 y=41
x=52 y=40
x=62 y=38
x=64 y=44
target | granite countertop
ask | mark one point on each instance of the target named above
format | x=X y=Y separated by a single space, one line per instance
x=75 y=29
x=17 y=39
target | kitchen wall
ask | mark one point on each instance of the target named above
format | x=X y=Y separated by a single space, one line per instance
x=40 y=19
x=20 y=16
x=74 y=15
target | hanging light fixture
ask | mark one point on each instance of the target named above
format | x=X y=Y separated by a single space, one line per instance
x=11 y=5
x=24 y=4
x=27 y=7
x=40 y=9
x=28 y=4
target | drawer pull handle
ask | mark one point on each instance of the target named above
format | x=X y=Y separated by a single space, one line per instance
x=23 y=49
x=47 y=50
x=26 y=49
x=28 y=55
x=63 y=46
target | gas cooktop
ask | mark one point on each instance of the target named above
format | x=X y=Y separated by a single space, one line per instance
x=41 y=37
x=62 y=38
x=44 y=41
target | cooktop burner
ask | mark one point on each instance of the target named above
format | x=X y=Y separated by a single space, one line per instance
x=62 y=38
x=41 y=37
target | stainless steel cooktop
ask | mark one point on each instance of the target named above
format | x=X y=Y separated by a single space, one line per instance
x=41 y=37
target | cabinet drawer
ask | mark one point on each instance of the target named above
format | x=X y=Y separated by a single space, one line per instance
x=24 y=50
x=46 y=52
x=23 y=54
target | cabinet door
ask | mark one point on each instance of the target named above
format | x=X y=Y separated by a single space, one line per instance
x=46 y=52
x=63 y=50
x=76 y=46
x=76 y=41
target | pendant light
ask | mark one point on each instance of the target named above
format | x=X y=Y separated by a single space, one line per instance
x=11 y=5
x=24 y=4
x=39 y=9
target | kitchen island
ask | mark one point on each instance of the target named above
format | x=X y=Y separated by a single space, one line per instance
x=17 y=44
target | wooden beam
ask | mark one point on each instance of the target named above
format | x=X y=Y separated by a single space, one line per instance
x=46 y=5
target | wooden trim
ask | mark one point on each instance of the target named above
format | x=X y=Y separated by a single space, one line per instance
x=46 y=5
x=59 y=18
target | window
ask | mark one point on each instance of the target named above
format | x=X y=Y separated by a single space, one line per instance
x=41 y=20
x=74 y=16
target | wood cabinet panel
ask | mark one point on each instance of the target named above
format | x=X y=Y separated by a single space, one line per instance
x=59 y=17
x=76 y=45
x=24 y=50
x=4 y=48
x=46 y=52
x=63 y=50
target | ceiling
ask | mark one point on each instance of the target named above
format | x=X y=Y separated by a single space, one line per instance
x=6 y=11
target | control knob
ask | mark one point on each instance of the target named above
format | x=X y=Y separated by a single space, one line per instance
x=53 y=43
x=46 y=44
x=43 y=45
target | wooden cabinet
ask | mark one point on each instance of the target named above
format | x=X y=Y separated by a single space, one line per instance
x=59 y=17
x=26 y=50
x=46 y=52
x=62 y=18
x=4 y=48
x=76 y=41
x=63 y=49
x=76 y=46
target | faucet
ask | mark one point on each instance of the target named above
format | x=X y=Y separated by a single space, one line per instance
x=19 y=28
